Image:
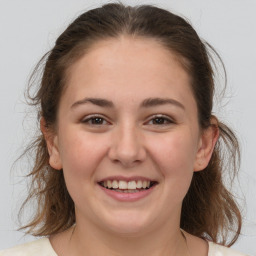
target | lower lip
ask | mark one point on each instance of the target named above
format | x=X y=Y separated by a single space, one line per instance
x=127 y=197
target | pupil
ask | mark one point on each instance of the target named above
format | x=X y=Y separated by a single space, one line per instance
x=97 y=120
x=158 y=120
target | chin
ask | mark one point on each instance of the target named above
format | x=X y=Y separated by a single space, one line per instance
x=128 y=224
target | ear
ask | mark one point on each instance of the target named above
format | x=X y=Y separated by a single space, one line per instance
x=52 y=145
x=207 y=143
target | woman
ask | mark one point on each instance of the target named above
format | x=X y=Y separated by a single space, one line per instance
x=129 y=160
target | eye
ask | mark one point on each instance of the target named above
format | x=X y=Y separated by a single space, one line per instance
x=160 y=120
x=95 y=120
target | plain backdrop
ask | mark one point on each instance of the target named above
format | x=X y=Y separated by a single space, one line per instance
x=29 y=28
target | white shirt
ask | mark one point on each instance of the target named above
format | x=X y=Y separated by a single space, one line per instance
x=43 y=247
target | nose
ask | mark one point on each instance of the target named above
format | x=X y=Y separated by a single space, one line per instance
x=127 y=147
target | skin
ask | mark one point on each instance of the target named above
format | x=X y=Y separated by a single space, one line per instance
x=127 y=141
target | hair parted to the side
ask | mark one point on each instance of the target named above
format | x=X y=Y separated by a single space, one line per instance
x=209 y=209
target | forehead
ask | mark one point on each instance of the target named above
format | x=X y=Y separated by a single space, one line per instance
x=136 y=66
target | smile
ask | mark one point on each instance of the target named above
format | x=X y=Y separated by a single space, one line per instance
x=132 y=186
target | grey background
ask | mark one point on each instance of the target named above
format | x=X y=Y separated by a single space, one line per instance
x=28 y=29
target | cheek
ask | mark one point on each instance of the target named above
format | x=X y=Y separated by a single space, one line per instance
x=175 y=158
x=81 y=153
x=177 y=151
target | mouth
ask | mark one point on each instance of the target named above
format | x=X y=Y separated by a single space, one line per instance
x=132 y=186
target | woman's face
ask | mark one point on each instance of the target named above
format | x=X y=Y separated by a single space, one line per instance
x=127 y=119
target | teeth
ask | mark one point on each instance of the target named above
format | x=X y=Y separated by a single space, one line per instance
x=139 y=184
x=123 y=184
x=127 y=190
x=144 y=184
x=132 y=186
x=115 y=184
x=109 y=184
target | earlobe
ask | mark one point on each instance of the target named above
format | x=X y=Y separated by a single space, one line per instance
x=52 y=145
x=207 y=143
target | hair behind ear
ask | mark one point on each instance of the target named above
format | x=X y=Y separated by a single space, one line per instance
x=209 y=210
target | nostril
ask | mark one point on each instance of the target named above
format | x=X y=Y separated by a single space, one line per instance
x=127 y=150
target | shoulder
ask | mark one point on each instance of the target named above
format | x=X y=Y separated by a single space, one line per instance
x=40 y=247
x=218 y=250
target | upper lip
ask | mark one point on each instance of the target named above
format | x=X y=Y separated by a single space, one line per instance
x=127 y=179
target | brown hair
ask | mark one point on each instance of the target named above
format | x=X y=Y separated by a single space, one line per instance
x=209 y=209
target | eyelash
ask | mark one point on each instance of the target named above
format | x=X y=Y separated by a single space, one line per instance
x=164 y=120
x=89 y=120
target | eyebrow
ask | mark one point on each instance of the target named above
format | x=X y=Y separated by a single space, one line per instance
x=147 y=103
x=153 y=102
x=95 y=101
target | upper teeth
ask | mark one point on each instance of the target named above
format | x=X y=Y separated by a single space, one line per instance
x=126 y=185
